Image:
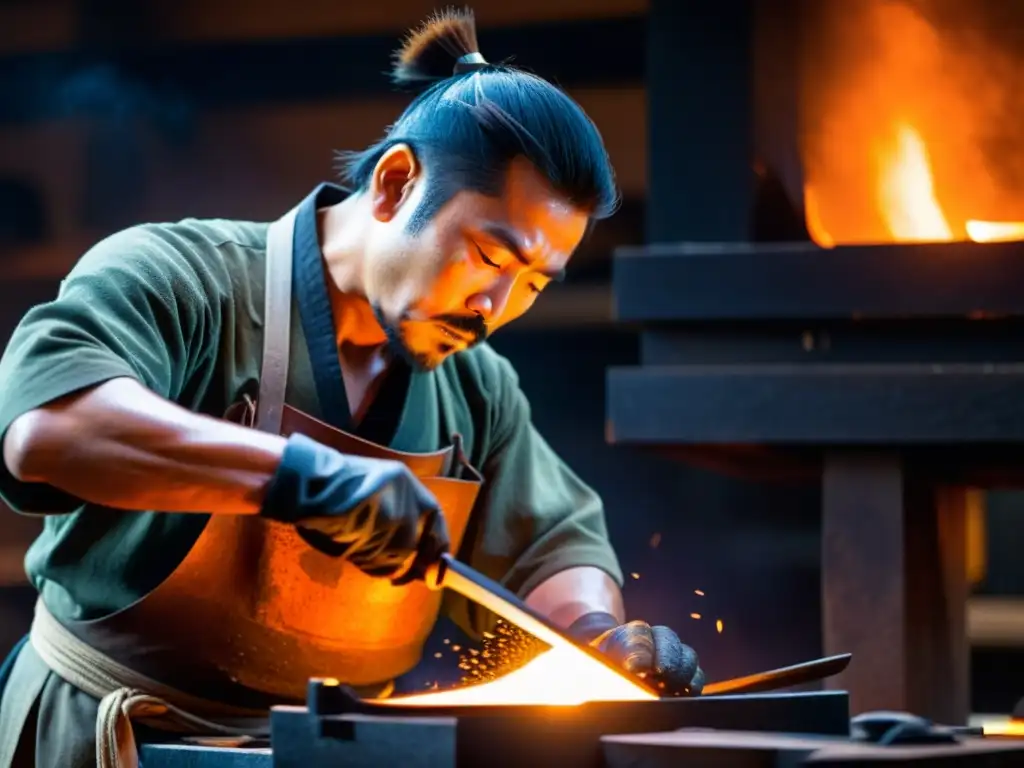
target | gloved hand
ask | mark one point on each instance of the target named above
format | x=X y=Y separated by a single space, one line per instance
x=373 y=512
x=655 y=654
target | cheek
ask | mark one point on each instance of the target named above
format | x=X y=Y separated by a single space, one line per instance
x=453 y=284
x=519 y=302
x=403 y=273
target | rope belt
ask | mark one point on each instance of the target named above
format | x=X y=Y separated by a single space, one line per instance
x=126 y=695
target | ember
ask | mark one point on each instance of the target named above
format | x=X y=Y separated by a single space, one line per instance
x=1013 y=728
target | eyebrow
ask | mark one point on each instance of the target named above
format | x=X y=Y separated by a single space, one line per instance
x=507 y=238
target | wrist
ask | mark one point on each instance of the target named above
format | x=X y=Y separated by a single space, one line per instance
x=287 y=498
x=591 y=626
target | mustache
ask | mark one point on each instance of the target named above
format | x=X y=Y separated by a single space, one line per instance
x=472 y=325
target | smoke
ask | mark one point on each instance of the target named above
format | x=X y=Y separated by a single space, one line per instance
x=108 y=94
x=949 y=69
x=983 y=47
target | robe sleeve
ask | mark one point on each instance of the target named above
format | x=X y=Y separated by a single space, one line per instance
x=133 y=307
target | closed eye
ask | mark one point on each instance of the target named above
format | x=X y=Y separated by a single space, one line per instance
x=489 y=262
x=483 y=257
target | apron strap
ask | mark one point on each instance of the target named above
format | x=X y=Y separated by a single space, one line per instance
x=125 y=695
x=277 y=317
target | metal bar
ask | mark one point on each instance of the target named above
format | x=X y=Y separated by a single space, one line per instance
x=514 y=736
x=744 y=281
x=817 y=404
x=473 y=585
x=784 y=677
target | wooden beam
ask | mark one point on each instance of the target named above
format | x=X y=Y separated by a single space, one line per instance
x=160 y=81
x=218 y=20
x=996 y=622
x=48 y=25
x=254 y=162
x=36 y=25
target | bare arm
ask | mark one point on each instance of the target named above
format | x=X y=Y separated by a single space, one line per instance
x=123 y=446
x=575 y=592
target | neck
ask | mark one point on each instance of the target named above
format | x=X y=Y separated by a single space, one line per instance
x=341 y=244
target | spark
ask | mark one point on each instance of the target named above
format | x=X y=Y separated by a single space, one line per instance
x=699 y=592
x=655 y=540
x=694 y=615
x=635 y=575
x=718 y=626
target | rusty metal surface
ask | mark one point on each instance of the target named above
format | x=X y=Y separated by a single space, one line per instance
x=337 y=728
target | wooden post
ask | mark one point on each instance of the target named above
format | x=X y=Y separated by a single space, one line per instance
x=700 y=112
x=894 y=586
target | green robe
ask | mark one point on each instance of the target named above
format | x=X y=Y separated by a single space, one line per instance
x=179 y=307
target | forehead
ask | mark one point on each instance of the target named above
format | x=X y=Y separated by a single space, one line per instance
x=541 y=217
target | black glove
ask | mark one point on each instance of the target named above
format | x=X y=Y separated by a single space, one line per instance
x=655 y=654
x=373 y=512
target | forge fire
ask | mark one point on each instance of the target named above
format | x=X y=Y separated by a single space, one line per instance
x=909 y=127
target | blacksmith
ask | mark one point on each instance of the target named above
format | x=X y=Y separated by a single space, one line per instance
x=312 y=408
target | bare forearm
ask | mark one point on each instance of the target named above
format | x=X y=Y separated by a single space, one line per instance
x=575 y=592
x=123 y=446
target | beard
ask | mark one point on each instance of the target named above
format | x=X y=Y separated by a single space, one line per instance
x=426 y=360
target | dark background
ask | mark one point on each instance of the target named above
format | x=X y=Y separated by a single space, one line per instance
x=115 y=112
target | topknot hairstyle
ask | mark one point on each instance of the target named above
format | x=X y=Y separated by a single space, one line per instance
x=475 y=117
x=430 y=50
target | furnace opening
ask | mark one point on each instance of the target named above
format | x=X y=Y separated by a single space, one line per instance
x=910 y=124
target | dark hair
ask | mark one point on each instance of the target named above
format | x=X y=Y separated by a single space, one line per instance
x=468 y=127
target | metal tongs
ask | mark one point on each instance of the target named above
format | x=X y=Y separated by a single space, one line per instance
x=449 y=573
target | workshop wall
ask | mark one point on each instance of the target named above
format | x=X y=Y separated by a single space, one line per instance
x=108 y=143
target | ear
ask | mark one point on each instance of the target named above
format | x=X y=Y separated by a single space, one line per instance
x=393 y=180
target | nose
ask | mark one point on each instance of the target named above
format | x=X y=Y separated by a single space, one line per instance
x=491 y=304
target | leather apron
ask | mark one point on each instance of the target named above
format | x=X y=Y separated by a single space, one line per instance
x=253 y=612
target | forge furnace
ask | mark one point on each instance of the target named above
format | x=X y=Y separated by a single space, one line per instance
x=889 y=372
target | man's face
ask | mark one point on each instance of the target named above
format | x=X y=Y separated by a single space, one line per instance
x=478 y=265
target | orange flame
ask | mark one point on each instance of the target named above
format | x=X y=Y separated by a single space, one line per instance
x=906 y=130
x=906 y=192
x=908 y=203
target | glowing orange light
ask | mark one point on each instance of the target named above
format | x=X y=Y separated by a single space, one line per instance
x=554 y=677
x=906 y=192
x=1010 y=728
x=908 y=202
